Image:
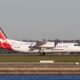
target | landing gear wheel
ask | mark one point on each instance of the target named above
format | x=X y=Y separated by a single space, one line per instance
x=43 y=54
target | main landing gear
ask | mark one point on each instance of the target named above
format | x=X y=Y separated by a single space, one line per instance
x=42 y=53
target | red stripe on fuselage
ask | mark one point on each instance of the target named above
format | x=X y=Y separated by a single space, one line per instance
x=58 y=49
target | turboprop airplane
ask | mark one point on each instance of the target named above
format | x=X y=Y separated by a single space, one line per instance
x=21 y=46
x=41 y=47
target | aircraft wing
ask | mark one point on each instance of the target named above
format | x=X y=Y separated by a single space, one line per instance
x=37 y=45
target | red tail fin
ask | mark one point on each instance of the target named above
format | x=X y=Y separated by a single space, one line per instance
x=3 y=41
x=2 y=35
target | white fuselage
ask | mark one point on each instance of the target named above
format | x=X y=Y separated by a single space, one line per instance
x=67 y=47
x=47 y=47
x=20 y=45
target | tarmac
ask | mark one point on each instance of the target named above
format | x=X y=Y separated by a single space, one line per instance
x=39 y=68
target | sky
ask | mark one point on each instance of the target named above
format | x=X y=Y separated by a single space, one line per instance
x=40 y=19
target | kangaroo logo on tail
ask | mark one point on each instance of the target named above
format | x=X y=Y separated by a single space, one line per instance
x=2 y=36
x=3 y=41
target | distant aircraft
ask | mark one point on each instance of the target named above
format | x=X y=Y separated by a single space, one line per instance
x=41 y=47
x=21 y=46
